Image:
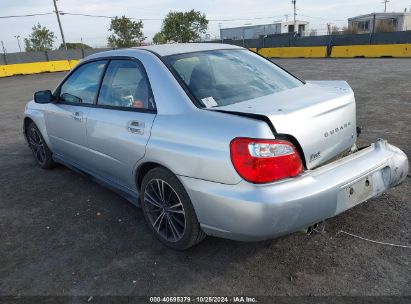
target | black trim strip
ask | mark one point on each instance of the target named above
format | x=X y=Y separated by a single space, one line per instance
x=100 y=83
x=97 y=106
x=277 y=135
x=296 y=144
x=250 y=115
x=181 y=82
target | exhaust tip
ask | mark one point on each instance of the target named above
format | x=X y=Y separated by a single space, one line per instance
x=315 y=228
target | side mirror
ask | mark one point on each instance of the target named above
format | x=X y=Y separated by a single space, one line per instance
x=43 y=96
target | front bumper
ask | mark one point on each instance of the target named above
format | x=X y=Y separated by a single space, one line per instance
x=250 y=212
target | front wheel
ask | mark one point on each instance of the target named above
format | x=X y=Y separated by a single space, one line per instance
x=38 y=146
x=168 y=210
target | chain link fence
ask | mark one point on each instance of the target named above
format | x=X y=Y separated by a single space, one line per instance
x=287 y=40
x=264 y=42
x=26 y=57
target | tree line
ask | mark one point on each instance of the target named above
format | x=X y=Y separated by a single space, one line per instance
x=176 y=27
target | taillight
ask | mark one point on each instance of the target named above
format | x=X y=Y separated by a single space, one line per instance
x=265 y=160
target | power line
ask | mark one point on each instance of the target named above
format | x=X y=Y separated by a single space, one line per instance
x=160 y=19
x=241 y=19
x=29 y=15
x=107 y=17
x=321 y=18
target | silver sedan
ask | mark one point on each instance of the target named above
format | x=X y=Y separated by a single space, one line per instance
x=211 y=139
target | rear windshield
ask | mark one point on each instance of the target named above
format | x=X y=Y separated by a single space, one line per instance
x=224 y=77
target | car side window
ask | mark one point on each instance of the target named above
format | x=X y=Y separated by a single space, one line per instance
x=125 y=84
x=82 y=85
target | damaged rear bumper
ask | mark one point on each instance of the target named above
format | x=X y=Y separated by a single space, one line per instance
x=252 y=212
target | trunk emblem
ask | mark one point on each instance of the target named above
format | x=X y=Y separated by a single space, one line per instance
x=337 y=129
x=315 y=156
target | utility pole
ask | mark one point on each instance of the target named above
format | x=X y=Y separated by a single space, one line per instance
x=295 y=14
x=4 y=49
x=18 y=41
x=58 y=20
x=385 y=5
x=221 y=34
x=4 y=52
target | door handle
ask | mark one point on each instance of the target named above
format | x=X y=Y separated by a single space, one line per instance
x=136 y=127
x=78 y=116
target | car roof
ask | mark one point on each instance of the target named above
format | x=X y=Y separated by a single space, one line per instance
x=181 y=48
x=166 y=49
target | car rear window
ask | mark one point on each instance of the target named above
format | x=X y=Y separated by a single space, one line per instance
x=224 y=77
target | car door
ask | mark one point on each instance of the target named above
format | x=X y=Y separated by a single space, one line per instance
x=118 y=128
x=66 y=118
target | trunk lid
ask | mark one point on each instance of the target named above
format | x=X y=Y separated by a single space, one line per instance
x=320 y=115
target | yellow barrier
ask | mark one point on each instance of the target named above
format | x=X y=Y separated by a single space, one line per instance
x=36 y=67
x=253 y=50
x=377 y=50
x=348 y=51
x=294 y=52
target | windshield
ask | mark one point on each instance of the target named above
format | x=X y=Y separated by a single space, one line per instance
x=224 y=77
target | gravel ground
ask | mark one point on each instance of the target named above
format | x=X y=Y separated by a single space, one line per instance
x=62 y=234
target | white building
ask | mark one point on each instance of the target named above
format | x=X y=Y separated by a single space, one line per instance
x=365 y=23
x=256 y=31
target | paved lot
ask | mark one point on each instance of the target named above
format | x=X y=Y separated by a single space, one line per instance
x=53 y=242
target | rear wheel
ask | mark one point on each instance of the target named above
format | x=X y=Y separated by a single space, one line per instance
x=38 y=146
x=168 y=210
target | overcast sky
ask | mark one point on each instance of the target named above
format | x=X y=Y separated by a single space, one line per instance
x=94 y=31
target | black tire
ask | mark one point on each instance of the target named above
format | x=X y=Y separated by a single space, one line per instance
x=168 y=228
x=38 y=146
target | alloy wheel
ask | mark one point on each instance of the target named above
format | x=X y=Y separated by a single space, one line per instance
x=165 y=210
x=37 y=145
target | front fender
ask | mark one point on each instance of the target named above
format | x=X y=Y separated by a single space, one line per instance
x=35 y=112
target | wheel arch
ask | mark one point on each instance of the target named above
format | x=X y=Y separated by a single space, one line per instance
x=26 y=122
x=186 y=239
x=143 y=169
x=36 y=116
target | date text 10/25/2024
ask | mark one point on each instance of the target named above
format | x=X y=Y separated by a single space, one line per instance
x=204 y=299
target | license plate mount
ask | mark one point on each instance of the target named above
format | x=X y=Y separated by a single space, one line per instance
x=359 y=191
